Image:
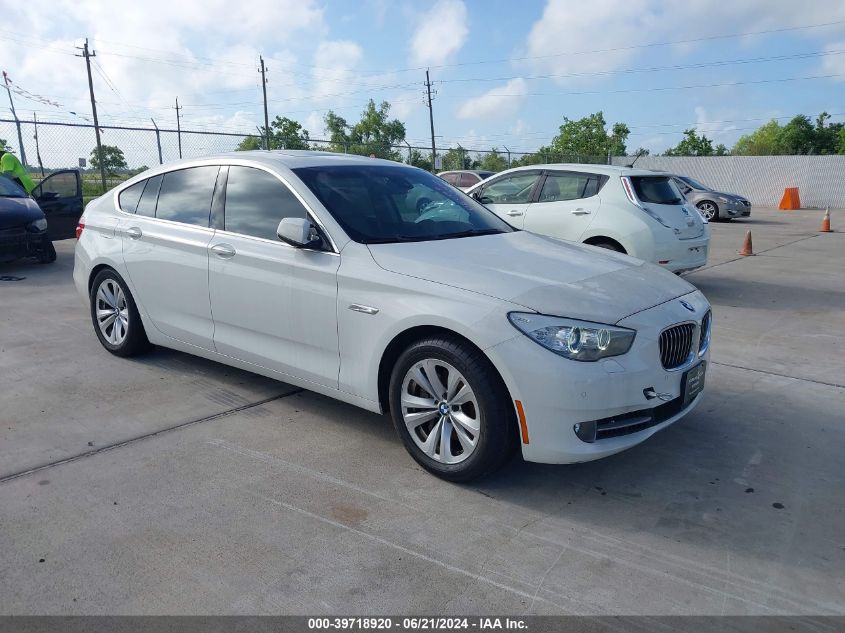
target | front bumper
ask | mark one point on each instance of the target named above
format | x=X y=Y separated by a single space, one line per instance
x=738 y=210
x=557 y=393
x=18 y=242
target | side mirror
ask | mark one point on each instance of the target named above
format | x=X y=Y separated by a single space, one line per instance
x=299 y=232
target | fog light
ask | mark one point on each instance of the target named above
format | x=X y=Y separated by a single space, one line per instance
x=586 y=431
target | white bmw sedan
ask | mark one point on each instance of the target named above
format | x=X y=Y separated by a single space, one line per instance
x=325 y=271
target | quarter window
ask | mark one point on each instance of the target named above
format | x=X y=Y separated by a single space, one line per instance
x=514 y=189
x=147 y=203
x=129 y=197
x=186 y=194
x=256 y=202
x=468 y=180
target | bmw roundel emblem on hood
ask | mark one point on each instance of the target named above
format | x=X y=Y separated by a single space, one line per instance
x=687 y=305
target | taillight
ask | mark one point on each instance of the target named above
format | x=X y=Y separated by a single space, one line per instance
x=80 y=227
x=629 y=190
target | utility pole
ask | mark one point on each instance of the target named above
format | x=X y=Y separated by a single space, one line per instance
x=263 y=71
x=17 y=121
x=509 y=155
x=179 y=127
x=431 y=121
x=88 y=55
x=37 y=149
x=158 y=141
x=409 y=150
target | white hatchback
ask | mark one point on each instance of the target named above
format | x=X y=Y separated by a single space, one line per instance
x=324 y=271
x=633 y=211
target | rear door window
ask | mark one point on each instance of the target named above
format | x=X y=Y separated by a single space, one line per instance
x=452 y=179
x=186 y=194
x=129 y=197
x=657 y=190
x=147 y=203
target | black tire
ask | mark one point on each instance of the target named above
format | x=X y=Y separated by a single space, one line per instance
x=498 y=436
x=611 y=246
x=48 y=254
x=705 y=210
x=135 y=341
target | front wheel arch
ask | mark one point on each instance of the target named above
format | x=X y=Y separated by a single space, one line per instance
x=405 y=339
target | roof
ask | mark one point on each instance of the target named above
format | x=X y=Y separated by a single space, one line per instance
x=289 y=158
x=466 y=171
x=608 y=170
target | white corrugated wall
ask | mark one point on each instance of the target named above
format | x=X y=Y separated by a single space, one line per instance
x=762 y=179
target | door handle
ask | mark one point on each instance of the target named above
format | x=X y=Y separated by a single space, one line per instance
x=514 y=212
x=134 y=233
x=223 y=251
x=580 y=211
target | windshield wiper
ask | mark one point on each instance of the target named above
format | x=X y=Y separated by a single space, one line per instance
x=468 y=233
x=394 y=238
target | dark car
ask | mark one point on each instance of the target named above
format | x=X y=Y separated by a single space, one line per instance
x=23 y=226
x=60 y=197
x=713 y=205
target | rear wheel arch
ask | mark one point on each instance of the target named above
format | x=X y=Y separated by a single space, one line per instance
x=600 y=240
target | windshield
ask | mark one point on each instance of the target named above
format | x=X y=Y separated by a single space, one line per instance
x=9 y=189
x=692 y=182
x=377 y=204
x=656 y=190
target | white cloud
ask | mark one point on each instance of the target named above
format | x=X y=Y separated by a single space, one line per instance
x=604 y=35
x=441 y=33
x=834 y=64
x=334 y=71
x=500 y=102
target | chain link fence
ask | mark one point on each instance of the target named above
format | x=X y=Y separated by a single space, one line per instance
x=50 y=145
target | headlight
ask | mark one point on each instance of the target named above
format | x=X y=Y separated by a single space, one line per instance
x=721 y=199
x=37 y=226
x=576 y=340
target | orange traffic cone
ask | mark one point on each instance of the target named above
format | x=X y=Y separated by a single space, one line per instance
x=746 y=249
x=826 y=222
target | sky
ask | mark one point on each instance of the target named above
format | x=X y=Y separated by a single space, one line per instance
x=505 y=73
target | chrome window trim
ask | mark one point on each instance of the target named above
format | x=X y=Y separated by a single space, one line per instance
x=280 y=242
x=251 y=165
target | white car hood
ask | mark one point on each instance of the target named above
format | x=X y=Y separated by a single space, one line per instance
x=540 y=273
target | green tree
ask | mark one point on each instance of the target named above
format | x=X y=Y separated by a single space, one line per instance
x=691 y=145
x=286 y=133
x=249 y=143
x=827 y=135
x=589 y=137
x=457 y=158
x=721 y=150
x=840 y=149
x=374 y=134
x=113 y=159
x=493 y=161
x=764 y=141
x=798 y=136
x=418 y=159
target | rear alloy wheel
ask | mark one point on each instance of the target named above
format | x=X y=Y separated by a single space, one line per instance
x=115 y=316
x=451 y=409
x=709 y=211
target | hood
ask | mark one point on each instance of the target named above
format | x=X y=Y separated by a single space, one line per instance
x=18 y=212
x=730 y=196
x=540 y=273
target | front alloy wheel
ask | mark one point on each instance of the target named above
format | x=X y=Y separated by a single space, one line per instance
x=440 y=411
x=709 y=210
x=452 y=409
